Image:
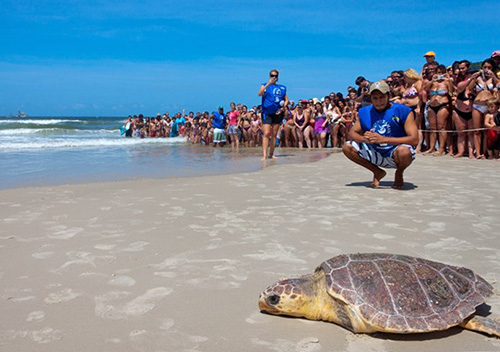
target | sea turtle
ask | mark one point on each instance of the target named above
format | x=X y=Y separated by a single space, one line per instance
x=392 y=293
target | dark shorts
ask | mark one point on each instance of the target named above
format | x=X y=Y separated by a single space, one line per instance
x=272 y=119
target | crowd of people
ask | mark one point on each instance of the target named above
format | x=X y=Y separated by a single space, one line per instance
x=456 y=111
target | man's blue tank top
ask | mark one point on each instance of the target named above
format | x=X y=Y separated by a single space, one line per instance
x=219 y=120
x=272 y=97
x=389 y=123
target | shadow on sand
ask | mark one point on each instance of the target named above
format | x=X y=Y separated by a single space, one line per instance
x=383 y=185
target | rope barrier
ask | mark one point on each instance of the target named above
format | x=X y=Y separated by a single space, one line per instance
x=453 y=131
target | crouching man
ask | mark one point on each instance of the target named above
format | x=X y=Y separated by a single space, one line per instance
x=384 y=136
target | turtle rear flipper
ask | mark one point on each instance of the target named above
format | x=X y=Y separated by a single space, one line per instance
x=482 y=324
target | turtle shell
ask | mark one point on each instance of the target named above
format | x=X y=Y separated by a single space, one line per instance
x=403 y=294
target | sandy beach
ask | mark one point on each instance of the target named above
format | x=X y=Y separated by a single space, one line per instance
x=178 y=264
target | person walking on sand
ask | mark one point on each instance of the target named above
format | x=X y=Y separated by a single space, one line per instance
x=274 y=105
x=384 y=135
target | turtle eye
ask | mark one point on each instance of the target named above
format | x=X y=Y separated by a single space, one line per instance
x=273 y=300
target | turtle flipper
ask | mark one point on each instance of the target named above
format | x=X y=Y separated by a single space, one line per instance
x=482 y=324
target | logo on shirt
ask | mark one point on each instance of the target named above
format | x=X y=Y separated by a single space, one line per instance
x=382 y=127
x=396 y=119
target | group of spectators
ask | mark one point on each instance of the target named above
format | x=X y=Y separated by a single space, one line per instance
x=456 y=110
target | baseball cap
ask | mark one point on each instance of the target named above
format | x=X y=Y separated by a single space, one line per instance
x=430 y=53
x=495 y=53
x=381 y=86
x=221 y=107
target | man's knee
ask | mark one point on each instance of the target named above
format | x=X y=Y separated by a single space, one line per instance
x=348 y=149
x=403 y=155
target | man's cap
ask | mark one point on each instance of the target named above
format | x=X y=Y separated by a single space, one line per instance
x=496 y=53
x=430 y=53
x=220 y=107
x=381 y=86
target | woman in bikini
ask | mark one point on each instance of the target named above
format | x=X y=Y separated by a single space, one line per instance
x=300 y=121
x=245 y=126
x=462 y=110
x=410 y=97
x=332 y=113
x=255 y=129
x=309 y=129
x=338 y=126
x=349 y=116
x=483 y=83
x=320 y=125
x=440 y=88
x=289 y=129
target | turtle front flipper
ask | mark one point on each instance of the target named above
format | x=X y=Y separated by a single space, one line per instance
x=482 y=324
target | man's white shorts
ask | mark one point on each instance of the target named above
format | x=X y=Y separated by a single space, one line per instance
x=368 y=152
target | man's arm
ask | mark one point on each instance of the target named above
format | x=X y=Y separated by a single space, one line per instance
x=356 y=133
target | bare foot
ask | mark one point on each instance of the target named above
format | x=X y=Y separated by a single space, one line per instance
x=427 y=152
x=438 y=153
x=459 y=155
x=263 y=158
x=377 y=177
x=481 y=157
x=398 y=181
x=273 y=157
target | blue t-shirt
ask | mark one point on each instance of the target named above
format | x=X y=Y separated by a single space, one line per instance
x=174 y=132
x=389 y=123
x=219 y=120
x=272 y=97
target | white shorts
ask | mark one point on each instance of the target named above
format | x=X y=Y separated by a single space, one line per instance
x=368 y=152
x=219 y=135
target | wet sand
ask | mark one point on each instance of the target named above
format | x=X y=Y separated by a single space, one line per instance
x=178 y=264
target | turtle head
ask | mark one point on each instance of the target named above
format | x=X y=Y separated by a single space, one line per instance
x=294 y=297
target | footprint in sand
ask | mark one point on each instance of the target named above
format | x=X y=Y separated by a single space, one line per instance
x=307 y=344
x=63 y=232
x=42 y=255
x=64 y=295
x=46 y=335
x=136 y=246
x=106 y=306
x=122 y=280
x=275 y=251
x=166 y=324
x=37 y=315
x=105 y=247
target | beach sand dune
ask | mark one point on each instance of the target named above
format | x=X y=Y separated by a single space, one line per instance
x=178 y=264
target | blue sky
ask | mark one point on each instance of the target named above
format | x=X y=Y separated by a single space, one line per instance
x=114 y=58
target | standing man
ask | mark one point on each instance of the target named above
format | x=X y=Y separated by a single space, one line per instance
x=383 y=136
x=219 y=125
x=430 y=58
x=363 y=96
x=274 y=105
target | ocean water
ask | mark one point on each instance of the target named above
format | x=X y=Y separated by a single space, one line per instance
x=50 y=151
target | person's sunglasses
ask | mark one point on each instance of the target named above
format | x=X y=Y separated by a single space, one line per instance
x=274 y=76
